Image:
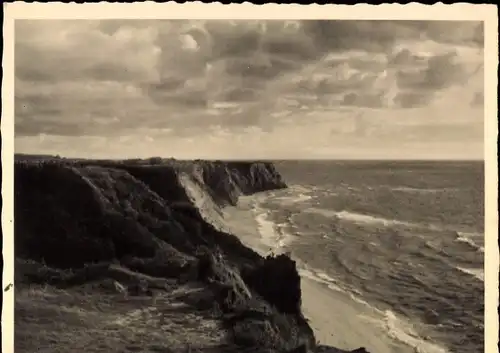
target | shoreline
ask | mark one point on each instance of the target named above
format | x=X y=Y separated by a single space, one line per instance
x=179 y=218
x=336 y=318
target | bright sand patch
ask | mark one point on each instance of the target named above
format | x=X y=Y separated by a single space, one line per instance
x=336 y=319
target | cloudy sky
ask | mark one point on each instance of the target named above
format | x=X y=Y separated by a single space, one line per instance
x=250 y=89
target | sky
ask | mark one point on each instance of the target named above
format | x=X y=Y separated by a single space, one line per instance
x=313 y=89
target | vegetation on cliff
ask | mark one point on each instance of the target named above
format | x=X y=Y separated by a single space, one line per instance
x=121 y=256
x=101 y=227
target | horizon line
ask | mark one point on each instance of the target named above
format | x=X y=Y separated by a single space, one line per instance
x=340 y=159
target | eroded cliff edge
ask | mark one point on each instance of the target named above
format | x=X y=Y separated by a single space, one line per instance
x=141 y=223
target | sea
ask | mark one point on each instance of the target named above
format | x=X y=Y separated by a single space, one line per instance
x=404 y=238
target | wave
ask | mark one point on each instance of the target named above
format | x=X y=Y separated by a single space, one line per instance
x=291 y=199
x=400 y=330
x=321 y=277
x=273 y=235
x=476 y=272
x=302 y=188
x=362 y=218
x=408 y=189
x=293 y=194
x=467 y=238
x=395 y=327
x=464 y=237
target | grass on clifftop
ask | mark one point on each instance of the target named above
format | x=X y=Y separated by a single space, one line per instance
x=132 y=269
x=84 y=311
x=82 y=320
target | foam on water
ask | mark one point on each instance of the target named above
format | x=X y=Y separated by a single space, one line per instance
x=359 y=218
x=324 y=278
x=291 y=199
x=375 y=220
x=266 y=228
x=306 y=273
x=297 y=188
x=476 y=272
x=467 y=237
x=419 y=190
x=396 y=328
x=272 y=234
x=402 y=331
x=295 y=194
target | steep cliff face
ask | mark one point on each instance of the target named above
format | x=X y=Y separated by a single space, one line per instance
x=155 y=219
x=68 y=216
x=71 y=213
x=228 y=180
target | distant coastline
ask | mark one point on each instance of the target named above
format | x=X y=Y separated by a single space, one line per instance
x=21 y=156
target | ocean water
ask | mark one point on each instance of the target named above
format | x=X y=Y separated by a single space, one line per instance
x=405 y=238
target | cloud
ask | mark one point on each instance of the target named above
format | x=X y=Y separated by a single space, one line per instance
x=345 y=35
x=413 y=99
x=404 y=58
x=28 y=126
x=72 y=50
x=111 y=77
x=454 y=32
x=441 y=71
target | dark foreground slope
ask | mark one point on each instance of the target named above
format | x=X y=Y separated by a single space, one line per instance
x=94 y=229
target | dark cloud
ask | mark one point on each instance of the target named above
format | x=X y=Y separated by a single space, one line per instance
x=478 y=36
x=328 y=86
x=34 y=126
x=357 y=81
x=238 y=39
x=280 y=65
x=369 y=100
x=32 y=64
x=292 y=47
x=32 y=103
x=240 y=94
x=411 y=78
x=187 y=99
x=441 y=71
x=454 y=32
x=79 y=50
x=175 y=59
x=404 y=58
x=110 y=71
x=374 y=36
x=166 y=84
x=177 y=69
x=368 y=64
x=112 y=26
x=251 y=67
x=413 y=99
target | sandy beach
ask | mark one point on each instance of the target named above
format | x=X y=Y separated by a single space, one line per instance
x=336 y=319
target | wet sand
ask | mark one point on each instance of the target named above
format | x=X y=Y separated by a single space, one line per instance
x=336 y=319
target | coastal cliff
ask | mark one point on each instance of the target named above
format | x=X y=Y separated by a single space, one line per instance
x=146 y=226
